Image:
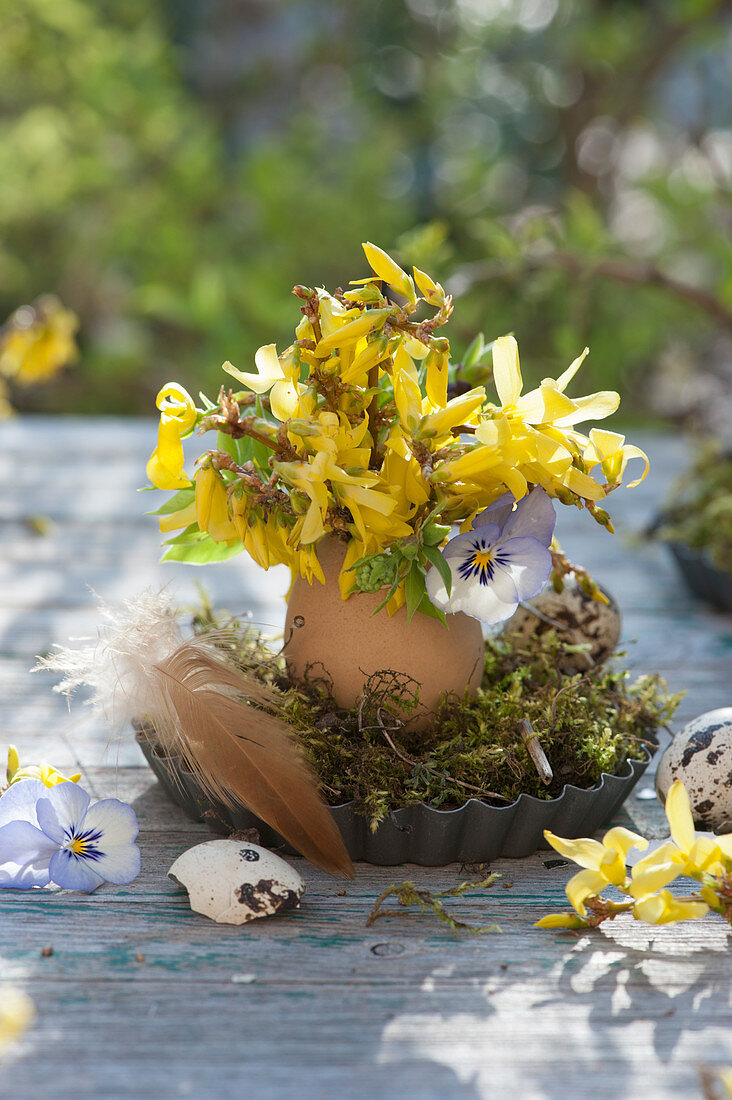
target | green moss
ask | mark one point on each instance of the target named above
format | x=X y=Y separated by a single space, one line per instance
x=587 y=723
x=701 y=513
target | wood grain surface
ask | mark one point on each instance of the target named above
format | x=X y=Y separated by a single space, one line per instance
x=142 y=998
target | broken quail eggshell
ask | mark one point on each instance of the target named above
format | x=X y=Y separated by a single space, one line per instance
x=578 y=619
x=232 y=881
x=701 y=757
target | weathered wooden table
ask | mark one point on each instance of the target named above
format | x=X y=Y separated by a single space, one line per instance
x=142 y=998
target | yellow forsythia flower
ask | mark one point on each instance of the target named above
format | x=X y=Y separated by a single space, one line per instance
x=17 y=1013
x=47 y=774
x=38 y=341
x=177 y=417
x=359 y=430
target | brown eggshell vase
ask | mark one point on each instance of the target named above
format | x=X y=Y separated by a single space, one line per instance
x=344 y=642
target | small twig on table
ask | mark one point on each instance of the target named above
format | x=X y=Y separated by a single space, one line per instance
x=407 y=893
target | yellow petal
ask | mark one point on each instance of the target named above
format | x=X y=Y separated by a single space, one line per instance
x=594 y=407
x=621 y=840
x=212 y=506
x=13 y=763
x=493 y=433
x=429 y=289
x=630 y=451
x=283 y=400
x=664 y=908
x=585 y=852
x=372 y=354
x=656 y=870
x=543 y=405
x=704 y=855
x=177 y=520
x=583 y=484
x=436 y=378
x=382 y=263
x=606 y=443
x=268 y=367
x=564 y=379
x=370 y=321
x=165 y=465
x=584 y=885
x=612 y=867
x=724 y=843
x=415 y=348
x=507 y=370
x=479 y=460
x=460 y=410
x=560 y=920
x=408 y=398
x=678 y=812
x=177 y=416
x=514 y=480
x=354 y=552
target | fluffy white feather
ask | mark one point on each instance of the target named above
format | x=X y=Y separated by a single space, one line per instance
x=119 y=667
x=219 y=719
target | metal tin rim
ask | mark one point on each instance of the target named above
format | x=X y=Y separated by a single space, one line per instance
x=473 y=833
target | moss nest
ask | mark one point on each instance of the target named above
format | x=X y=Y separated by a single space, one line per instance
x=587 y=723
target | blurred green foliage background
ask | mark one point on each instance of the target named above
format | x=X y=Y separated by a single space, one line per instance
x=170 y=170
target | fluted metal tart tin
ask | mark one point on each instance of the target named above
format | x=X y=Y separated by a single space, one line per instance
x=474 y=833
x=702 y=576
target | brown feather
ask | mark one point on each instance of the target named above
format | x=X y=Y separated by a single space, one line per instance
x=241 y=754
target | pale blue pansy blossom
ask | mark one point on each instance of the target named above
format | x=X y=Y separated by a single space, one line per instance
x=55 y=834
x=502 y=560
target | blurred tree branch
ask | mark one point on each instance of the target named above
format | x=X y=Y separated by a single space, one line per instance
x=619 y=270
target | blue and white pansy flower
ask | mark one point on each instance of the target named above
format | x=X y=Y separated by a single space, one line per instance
x=502 y=560
x=55 y=834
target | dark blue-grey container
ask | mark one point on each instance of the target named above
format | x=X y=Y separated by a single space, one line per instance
x=474 y=833
x=702 y=576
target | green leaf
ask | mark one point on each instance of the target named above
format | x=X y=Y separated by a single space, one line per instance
x=179 y=500
x=207 y=405
x=426 y=607
x=434 y=556
x=390 y=593
x=434 y=533
x=198 y=548
x=414 y=589
x=245 y=449
x=227 y=444
x=474 y=352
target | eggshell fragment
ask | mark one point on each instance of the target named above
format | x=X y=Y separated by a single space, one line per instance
x=232 y=881
x=701 y=757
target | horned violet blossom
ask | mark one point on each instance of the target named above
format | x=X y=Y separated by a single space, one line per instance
x=353 y=432
x=504 y=558
x=706 y=859
x=55 y=834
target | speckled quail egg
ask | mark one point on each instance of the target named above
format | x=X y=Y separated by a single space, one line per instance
x=577 y=618
x=701 y=757
x=233 y=882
